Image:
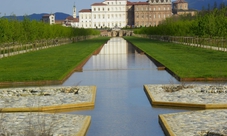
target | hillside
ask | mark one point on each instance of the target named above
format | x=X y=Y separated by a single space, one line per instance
x=58 y=16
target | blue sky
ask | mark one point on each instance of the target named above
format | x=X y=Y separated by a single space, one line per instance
x=27 y=7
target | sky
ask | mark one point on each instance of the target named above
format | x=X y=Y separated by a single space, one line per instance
x=27 y=7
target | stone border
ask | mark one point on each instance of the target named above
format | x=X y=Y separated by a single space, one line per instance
x=85 y=127
x=181 y=104
x=80 y=106
x=165 y=127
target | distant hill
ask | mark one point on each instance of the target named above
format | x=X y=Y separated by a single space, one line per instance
x=58 y=16
x=199 y=4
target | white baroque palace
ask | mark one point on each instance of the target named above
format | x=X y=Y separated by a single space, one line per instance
x=110 y=13
x=120 y=13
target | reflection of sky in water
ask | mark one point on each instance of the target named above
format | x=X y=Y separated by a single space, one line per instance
x=122 y=108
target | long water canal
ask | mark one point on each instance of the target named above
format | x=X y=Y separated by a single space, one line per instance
x=122 y=108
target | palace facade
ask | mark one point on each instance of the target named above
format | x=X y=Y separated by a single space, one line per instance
x=122 y=13
x=180 y=7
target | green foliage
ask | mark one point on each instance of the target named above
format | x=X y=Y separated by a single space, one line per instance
x=29 y=31
x=204 y=24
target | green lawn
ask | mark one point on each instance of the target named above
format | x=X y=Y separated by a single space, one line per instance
x=185 y=61
x=48 y=64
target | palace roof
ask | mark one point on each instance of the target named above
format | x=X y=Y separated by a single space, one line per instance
x=180 y=1
x=85 y=10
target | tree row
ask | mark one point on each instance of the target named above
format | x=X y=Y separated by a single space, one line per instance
x=208 y=24
x=29 y=31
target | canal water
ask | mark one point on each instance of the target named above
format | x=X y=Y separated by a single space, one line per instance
x=122 y=108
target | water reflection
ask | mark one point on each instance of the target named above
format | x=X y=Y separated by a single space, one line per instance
x=118 y=55
x=121 y=107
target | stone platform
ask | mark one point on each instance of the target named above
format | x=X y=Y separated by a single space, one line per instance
x=47 y=98
x=195 y=123
x=188 y=96
x=43 y=124
x=28 y=103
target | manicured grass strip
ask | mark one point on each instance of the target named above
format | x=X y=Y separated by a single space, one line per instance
x=185 y=61
x=48 y=64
